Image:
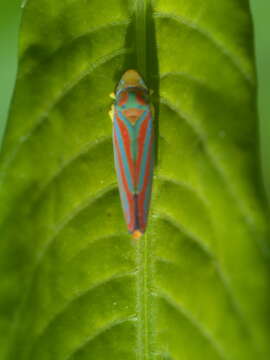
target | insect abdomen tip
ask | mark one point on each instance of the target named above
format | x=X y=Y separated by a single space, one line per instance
x=136 y=234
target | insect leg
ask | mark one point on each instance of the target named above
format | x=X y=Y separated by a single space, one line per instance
x=111 y=112
x=153 y=110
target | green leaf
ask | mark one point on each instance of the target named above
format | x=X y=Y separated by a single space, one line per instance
x=74 y=286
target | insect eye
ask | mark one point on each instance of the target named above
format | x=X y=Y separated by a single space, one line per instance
x=123 y=99
x=142 y=98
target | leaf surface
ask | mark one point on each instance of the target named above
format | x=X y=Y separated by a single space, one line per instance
x=74 y=286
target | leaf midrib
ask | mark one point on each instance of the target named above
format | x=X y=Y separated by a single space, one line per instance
x=144 y=253
x=142 y=7
x=143 y=298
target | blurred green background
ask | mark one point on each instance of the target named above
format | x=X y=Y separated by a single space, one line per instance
x=10 y=11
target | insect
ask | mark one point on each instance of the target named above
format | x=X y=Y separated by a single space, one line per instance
x=133 y=143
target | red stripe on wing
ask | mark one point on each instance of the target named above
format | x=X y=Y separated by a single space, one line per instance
x=141 y=141
x=141 y=195
x=127 y=145
x=123 y=98
x=129 y=195
x=140 y=98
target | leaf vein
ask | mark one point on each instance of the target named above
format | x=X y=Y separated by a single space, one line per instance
x=80 y=295
x=100 y=332
x=71 y=42
x=202 y=245
x=205 y=333
x=219 y=46
x=222 y=276
x=85 y=149
x=213 y=161
x=51 y=240
x=62 y=94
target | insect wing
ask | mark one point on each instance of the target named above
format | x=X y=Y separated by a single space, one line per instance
x=134 y=167
x=144 y=169
x=125 y=169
